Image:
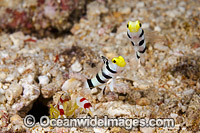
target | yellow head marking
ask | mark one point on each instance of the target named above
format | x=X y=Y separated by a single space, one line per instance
x=119 y=61
x=134 y=26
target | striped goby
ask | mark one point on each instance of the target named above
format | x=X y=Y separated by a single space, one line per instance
x=136 y=34
x=109 y=71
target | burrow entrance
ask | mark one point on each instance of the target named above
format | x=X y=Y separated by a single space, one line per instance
x=40 y=108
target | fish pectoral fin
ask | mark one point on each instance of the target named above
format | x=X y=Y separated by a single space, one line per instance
x=137 y=55
x=111 y=85
x=142 y=51
x=101 y=86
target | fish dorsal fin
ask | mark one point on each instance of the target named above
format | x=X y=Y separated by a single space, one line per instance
x=104 y=59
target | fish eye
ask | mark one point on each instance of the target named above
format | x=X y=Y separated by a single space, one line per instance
x=140 y=25
x=114 y=61
x=127 y=25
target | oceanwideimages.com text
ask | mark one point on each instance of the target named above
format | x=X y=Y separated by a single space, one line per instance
x=127 y=123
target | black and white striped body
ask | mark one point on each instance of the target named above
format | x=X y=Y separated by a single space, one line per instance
x=107 y=72
x=138 y=41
